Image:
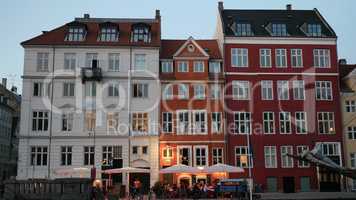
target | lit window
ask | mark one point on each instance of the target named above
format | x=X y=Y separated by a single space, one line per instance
x=243 y=29
x=243 y=157
x=285 y=123
x=270 y=156
x=166 y=67
x=301 y=122
x=140 y=122
x=314 y=30
x=109 y=34
x=279 y=30
x=90 y=121
x=283 y=90
x=267 y=90
x=296 y=57
x=140 y=61
x=40 y=121
x=140 y=90
x=298 y=90
x=198 y=66
x=39 y=155
x=241 y=90
x=114 y=62
x=265 y=58
x=268 y=122
x=321 y=58
x=167 y=153
x=281 y=57
x=326 y=122
x=323 y=90
x=183 y=66
x=199 y=91
x=242 y=123
x=239 y=57
x=42 y=62
x=287 y=161
x=75 y=34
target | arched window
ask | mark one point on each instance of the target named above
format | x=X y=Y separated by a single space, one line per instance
x=141 y=33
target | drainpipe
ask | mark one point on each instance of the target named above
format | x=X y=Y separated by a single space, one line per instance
x=51 y=114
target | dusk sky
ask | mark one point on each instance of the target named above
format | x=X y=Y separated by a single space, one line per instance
x=24 y=19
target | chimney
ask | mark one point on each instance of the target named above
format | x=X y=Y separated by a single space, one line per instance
x=4 y=82
x=221 y=5
x=343 y=61
x=289 y=6
x=158 y=15
x=86 y=16
x=14 y=89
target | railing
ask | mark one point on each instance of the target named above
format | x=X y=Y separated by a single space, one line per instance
x=91 y=74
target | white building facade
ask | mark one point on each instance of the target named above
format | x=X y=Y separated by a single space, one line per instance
x=99 y=107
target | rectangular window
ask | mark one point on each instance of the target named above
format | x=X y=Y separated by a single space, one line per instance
x=239 y=57
x=216 y=122
x=113 y=90
x=75 y=34
x=89 y=59
x=90 y=89
x=112 y=121
x=110 y=153
x=199 y=91
x=145 y=150
x=108 y=34
x=39 y=155
x=314 y=30
x=296 y=57
x=268 y=123
x=67 y=121
x=140 y=90
x=167 y=153
x=199 y=66
x=265 y=58
x=301 y=122
x=243 y=29
x=351 y=132
x=215 y=92
x=166 y=67
x=270 y=156
x=90 y=121
x=281 y=57
x=286 y=161
x=167 y=92
x=135 y=150
x=40 y=121
x=350 y=106
x=217 y=155
x=140 y=61
x=298 y=90
x=114 y=62
x=89 y=155
x=279 y=30
x=267 y=90
x=241 y=90
x=201 y=156
x=199 y=122
x=321 y=58
x=183 y=66
x=183 y=91
x=68 y=89
x=38 y=89
x=323 y=90
x=66 y=155
x=242 y=122
x=283 y=90
x=214 y=67
x=243 y=157
x=353 y=160
x=167 y=122
x=300 y=151
x=42 y=62
x=326 y=122
x=69 y=61
x=285 y=123
x=140 y=122
x=183 y=122
x=332 y=150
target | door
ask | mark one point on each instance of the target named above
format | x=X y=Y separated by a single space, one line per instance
x=271 y=184
x=305 y=184
x=288 y=185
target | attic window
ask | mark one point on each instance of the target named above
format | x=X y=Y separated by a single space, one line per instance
x=279 y=30
x=314 y=30
x=141 y=33
x=243 y=29
x=76 y=34
x=109 y=34
x=191 y=48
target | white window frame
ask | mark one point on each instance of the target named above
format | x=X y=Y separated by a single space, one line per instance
x=112 y=121
x=351 y=132
x=68 y=89
x=248 y=155
x=270 y=156
x=89 y=57
x=214 y=67
x=67 y=122
x=199 y=91
x=190 y=159
x=167 y=67
x=198 y=66
x=199 y=122
x=42 y=62
x=285 y=121
x=43 y=119
x=183 y=91
x=321 y=58
x=287 y=161
x=281 y=58
x=242 y=123
x=141 y=90
x=196 y=157
x=267 y=88
x=350 y=106
x=183 y=66
x=114 y=62
x=323 y=90
x=241 y=90
x=66 y=153
x=239 y=57
x=140 y=62
x=216 y=122
x=167 y=93
x=215 y=91
x=300 y=122
x=298 y=90
x=39 y=153
x=300 y=150
x=167 y=123
x=217 y=154
x=140 y=119
x=265 y=58
x=296 y=58
x=90 y=154
x=328 y=123
x=183 y=127
x=113 y=90
x=283 y=90
x=270 y=123
x=70 y=61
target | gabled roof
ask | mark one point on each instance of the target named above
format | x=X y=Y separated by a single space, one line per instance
x=57 y=35
x=193 y=42
x=260 y=19
x=170 y=47
x=346 y=70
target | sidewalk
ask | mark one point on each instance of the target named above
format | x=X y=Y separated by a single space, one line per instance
x=309 y=196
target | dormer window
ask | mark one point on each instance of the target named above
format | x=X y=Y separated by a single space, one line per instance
x=243 y=29
x=75 y=34
x=314 y=30
x=141 y=33
x=109 y=34
x=279 y=30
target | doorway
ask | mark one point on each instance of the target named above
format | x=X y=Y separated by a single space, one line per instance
x=288 y=185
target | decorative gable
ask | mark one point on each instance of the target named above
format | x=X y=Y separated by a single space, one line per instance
x=191 y=49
